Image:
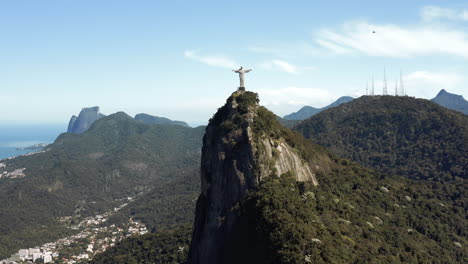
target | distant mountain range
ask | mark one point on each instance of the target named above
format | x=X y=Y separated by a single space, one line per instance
x=452 y=101
x=308 y=111
x=88 y=115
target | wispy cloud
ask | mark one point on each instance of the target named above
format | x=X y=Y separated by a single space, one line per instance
x=280 y=65
x=284 y=66
x=393 y=40
x=335 y=48
x=430 y=13
x=212 y=60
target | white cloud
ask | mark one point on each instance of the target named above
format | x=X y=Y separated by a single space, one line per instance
x=280 y=65
x=430 y=13
x=333 y=47
x=427 y=84
x=393 y=41
x=290 y=99
x=217 y=61
x=283 y=66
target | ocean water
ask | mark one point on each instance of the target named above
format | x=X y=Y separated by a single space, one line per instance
x=13 y=136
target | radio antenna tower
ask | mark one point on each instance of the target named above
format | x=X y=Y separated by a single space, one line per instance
x=384 y=90
x=402 y=87
x=396 y=87
x=372 y=90
x=367 y=88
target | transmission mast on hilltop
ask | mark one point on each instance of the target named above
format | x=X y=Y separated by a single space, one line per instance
x=372 y=90
x=367 y=88
x=396 y=87
x=384 y=89
x=402 y=87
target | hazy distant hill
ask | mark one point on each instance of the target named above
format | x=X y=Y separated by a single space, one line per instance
x=82 y=122
x=86 y=173
x=287 y=123
x=451 y=101
x=398 y=135
x=156 y=120
x=88 y=115
x=308 y=111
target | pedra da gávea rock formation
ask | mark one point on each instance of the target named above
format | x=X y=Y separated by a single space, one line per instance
x=82 y=122
x=242 y=145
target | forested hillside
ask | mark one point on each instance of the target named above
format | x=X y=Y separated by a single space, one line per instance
x=89 y=173
x=404 y=136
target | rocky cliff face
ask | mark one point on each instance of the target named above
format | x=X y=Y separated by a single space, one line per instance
x=71 y=123
x=85 y=119
x=243 y=144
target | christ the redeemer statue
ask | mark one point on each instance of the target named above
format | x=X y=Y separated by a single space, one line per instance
x=241 y=73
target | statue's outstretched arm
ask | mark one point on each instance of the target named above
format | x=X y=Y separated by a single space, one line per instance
x=248 y=70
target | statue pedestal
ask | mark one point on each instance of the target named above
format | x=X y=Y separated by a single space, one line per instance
x=241 y=89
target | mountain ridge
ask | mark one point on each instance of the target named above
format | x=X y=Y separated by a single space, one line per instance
x=88 y=115
x=308 y=111
x=156 y=120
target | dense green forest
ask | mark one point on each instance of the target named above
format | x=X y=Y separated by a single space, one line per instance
x=165 y=206
x=87 y=174
x=355 y=216
x=163 y=247
x=403 y=136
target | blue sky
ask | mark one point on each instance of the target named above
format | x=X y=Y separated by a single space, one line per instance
x=174 y=58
